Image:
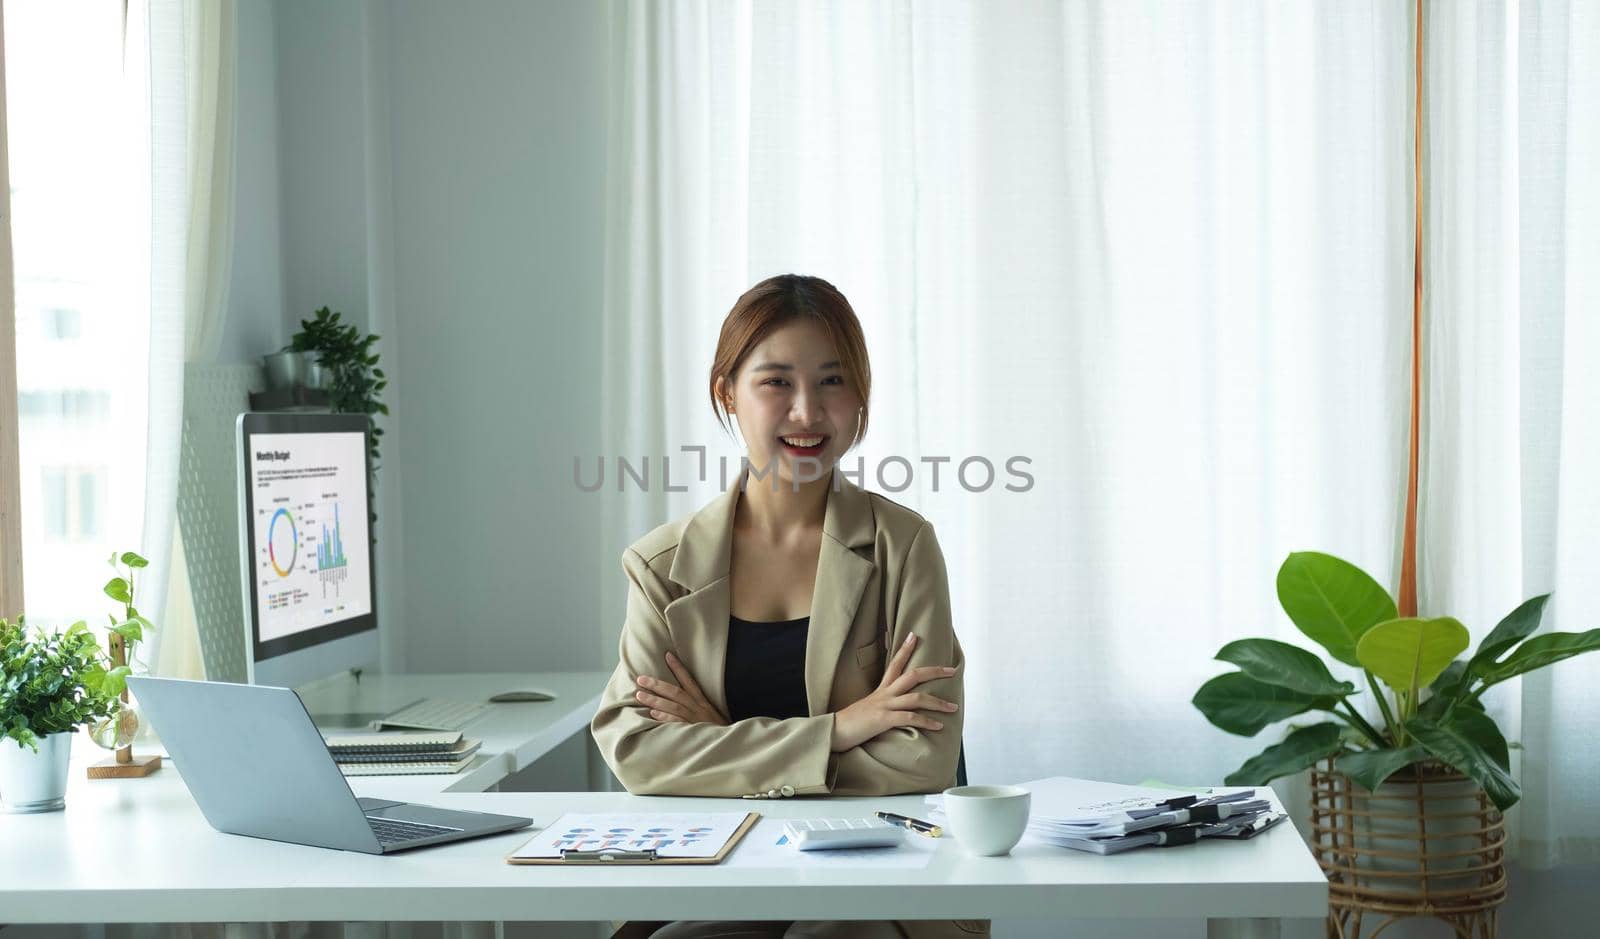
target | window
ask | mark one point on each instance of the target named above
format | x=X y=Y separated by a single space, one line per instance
x=78 y=129
x=71 y=505
x=61 y=323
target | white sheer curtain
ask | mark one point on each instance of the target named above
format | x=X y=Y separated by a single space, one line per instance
x=1560 y=286
x=1162 y=251
x=193 y=50
x=1513 y=429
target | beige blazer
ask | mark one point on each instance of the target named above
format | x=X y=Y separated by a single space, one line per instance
x=880 y=577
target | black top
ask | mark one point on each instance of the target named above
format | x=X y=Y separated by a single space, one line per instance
x=765 y=675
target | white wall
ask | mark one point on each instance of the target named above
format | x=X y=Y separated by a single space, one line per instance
x=322 y=136
x=436 y=172
x=499 y=156
x=255 y=323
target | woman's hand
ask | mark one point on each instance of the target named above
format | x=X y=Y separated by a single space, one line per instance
x=683 y=703
x=893 y=704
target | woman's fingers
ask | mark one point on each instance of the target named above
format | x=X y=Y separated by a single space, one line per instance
x=684 y=678
x=659 y=705
x=665 y=689
x=921 y=701
x=897 y=664
x=917 y=676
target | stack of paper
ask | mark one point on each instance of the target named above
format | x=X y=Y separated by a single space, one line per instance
x=404 y=753
x=1107 y=818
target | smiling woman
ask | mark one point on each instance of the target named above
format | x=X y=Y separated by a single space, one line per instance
x=793 y=637
x=794 y=317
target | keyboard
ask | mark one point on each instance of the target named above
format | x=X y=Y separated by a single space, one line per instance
x=395 y=831
x=434 y=714
x=821 y=834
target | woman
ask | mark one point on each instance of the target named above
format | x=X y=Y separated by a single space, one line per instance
x=793 y=637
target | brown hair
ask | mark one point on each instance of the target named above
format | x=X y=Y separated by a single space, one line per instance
x=777 y=302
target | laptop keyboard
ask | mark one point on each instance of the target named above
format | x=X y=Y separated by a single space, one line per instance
x=394 y=831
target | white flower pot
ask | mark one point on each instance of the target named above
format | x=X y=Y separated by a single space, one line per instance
x=34 y=782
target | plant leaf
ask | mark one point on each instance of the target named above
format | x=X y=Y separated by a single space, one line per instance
x=1518 y=625
x=1371 y=767
x=1299 y=750
x=117 y=589
x=1470 y=742
x=134 y=560
x=1540 y=651
x=1242 y=705
x=116 y=681
x=1449 y=678
x=1411 y=652
x=1332 y=601
x=1284 y=665
x=1449 y=687
x=130 y=631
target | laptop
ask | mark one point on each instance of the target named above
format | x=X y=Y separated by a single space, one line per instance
x=257 y=765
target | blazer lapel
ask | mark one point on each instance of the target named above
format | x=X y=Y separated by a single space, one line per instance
x=698 y=621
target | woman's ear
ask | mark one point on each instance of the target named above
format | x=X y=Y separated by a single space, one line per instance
x=725 y=394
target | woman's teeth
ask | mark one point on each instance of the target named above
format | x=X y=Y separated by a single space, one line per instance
x=803 y=443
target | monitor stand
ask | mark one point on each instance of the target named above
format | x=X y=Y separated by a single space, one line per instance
x=342 y=709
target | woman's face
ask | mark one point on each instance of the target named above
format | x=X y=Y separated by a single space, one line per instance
x=792 y=400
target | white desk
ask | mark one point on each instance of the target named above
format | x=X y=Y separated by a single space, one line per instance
x=513 y=735
x=172 y=867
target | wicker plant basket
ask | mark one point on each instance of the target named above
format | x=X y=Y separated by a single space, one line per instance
x=1427 y=843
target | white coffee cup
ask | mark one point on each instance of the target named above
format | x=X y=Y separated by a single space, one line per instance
x=987 y=820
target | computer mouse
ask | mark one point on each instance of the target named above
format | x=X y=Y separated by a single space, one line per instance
x=515 y=697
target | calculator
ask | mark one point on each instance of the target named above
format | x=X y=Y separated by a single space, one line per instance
x=822 y=834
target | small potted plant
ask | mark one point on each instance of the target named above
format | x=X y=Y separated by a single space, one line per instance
x=116 y=729
x=1425 y=759
x=50 y=685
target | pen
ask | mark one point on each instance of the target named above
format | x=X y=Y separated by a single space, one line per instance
x=915 y=824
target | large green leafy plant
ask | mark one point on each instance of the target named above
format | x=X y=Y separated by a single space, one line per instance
x=53 y=683
x=1434 y=705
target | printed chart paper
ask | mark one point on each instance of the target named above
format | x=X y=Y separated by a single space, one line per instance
x=670 y=834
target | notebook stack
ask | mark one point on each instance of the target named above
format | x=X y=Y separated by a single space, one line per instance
x=434 y=751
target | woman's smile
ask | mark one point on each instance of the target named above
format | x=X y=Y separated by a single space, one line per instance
x=804 y=444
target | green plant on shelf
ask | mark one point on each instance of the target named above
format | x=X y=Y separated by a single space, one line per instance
x=357 y=382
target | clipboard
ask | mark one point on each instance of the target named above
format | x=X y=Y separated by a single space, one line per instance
x=614 y=858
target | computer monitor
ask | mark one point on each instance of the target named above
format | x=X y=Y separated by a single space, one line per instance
x=306 y=546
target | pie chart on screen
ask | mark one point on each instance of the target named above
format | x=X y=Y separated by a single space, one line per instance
x=283 y=542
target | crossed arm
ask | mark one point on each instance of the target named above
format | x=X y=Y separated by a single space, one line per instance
x=894 y=703
x=665 y=737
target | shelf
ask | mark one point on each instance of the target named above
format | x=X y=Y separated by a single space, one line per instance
x=298 y=398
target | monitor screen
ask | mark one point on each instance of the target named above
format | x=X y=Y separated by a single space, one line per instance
x=308 y=557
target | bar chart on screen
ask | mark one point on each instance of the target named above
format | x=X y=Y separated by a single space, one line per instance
x=305 y=520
